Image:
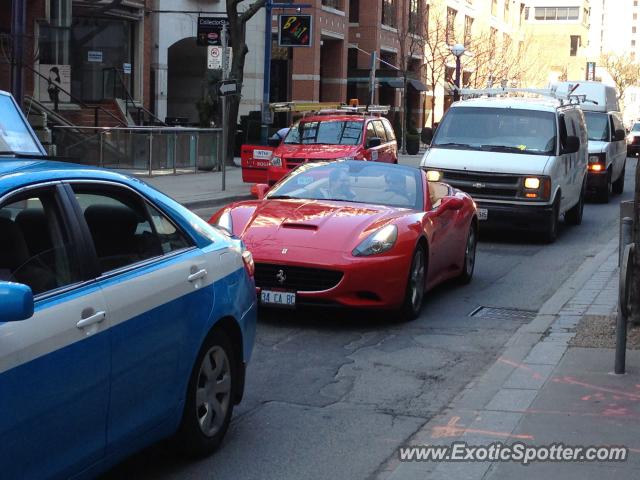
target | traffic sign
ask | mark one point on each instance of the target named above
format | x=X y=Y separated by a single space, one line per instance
x=227 y=87
x=214 y=57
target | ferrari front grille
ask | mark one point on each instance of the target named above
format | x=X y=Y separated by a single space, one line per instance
x=299 y=279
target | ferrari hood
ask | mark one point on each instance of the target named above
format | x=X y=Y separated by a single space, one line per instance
x=325 y=225
x=316 y=151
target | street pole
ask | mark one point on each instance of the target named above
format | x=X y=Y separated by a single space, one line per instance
x=456 y=95
x=403 y=118
x=18 y=28
x=266 y=84
x=372 y=79
x=225 y=111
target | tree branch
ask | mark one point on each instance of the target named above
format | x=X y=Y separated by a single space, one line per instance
x=251 y=11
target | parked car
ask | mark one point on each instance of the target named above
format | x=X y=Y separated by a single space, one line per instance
x=355 y=234
x=607 y=147
x=633 y=140
x=124 y=318
x=523 y=160
x=327 y=135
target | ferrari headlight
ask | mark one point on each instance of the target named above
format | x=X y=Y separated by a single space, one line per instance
x=378 y=242
x=276 y=162
x=225 y=222
x=434 y=175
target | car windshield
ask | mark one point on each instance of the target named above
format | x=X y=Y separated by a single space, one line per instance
x=636 y=127
x=329 y=132
x=353 y=181
x=15 y=136
x=497 y=129
x=597 y=126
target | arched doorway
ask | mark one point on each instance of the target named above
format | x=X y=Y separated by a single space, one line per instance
x=186 y=79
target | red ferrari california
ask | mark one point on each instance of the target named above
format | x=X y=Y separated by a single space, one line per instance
x=355 y=234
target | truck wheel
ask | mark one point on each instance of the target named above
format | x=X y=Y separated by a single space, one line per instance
x=573 y=216
x=551 y=234
x=618 y=185
x=604 y=194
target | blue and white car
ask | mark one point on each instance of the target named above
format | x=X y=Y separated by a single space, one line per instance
x=124 y=318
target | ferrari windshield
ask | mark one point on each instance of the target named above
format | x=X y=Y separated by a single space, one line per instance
x=354 y=181
x=497 y=130
x=597 y=126
x=15 y=136
x=328 y=132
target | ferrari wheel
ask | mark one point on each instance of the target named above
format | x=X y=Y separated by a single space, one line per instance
x=469 y=257
x=414 y=295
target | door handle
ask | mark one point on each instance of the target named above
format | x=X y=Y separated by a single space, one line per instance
x=93 y=319
x=197 y=276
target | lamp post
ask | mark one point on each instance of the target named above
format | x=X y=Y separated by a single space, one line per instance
x=457 y=50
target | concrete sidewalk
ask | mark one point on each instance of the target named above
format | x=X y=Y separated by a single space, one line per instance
x=541 y=391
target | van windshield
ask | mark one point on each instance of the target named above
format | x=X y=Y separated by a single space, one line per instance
x=597 y=126
x=498 y=129
x=328 y=132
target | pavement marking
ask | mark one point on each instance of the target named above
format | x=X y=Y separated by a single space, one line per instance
x=451 y=429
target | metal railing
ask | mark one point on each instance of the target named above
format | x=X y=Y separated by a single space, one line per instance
x=145 y=150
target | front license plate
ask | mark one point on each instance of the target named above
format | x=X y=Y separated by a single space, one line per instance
x=283 y=299
x=483 y=214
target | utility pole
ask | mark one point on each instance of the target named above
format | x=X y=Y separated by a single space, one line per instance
x=225 y=110
x=372 y=78
x=266 y=85
x=18 y=27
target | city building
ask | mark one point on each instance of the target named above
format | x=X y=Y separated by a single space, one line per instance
x=558 y=37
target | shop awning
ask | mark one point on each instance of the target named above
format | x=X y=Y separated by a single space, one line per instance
x=392 y=82
x=417 y=84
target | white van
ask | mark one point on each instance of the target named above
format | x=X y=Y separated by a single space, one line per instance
x=607 y=137
x=524 y=160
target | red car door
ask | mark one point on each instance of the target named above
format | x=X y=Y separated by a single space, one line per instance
x=443 y=251
x=386 y=147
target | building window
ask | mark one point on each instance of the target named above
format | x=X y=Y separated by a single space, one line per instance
x=389 y=15
x=354 y=11
x=426 y=18
x=633 y=43
x=575 y=43
x=635 y=16
x=415 y=15
x=557 y=13
x=494 y=7
x=526 y=13
x=352 y=59
x=468 y=24
x=633 y=29
x=337 y=4
x=451 y=22
x=506 y=9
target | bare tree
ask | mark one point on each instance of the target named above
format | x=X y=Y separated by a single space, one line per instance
x=436 y=52
x=238 y=17
x=624 y=71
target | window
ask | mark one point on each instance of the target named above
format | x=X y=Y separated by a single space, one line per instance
x=426 y=17
x=380 y=131
x=575 y=43
x=557 y=13
x=354 y=11
x=506 y=9
x=391 y=136
x=468 y=25
x=35 y=248
x=633 y=29
x=389 y=15
x=125 y=230
x=337 y=4
x=371 y=132
x=633 y=43
x=494 y=7
x=526 y=13
x=451 y=22
x=352 y=59
x=414 y=16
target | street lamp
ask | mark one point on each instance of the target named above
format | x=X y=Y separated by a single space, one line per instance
x=457 y=50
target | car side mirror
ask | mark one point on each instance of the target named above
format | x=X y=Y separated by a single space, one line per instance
x=16 y=302
x=374 y=142
x=274 y=142
x=259 y=190
x=452 y=203
x=620 y=135
x=427 y=135
x=571 y=144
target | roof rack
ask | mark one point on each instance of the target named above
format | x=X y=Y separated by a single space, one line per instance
x=328 y=108
x=565 y=98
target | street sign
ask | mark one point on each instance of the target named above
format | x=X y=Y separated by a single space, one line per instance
x=295 y=30
x=126 y=68
x=214 y=57
x=591 y=71
x=210 y=30
x=227 y=87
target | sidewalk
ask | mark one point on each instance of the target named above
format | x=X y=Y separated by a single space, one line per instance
x=543 y=390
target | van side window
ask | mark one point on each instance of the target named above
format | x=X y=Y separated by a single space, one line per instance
x=380 y=131
x=371 y=132
x=617 y=125
x=391 y=136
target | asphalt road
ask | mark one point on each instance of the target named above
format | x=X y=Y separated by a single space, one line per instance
x=333 y=394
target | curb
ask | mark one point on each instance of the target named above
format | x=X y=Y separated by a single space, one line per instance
x=496 y=398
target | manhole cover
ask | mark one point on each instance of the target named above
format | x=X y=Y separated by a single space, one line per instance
x=503 y=314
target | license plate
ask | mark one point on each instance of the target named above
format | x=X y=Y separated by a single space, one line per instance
x=283 y=299
x=483 y=214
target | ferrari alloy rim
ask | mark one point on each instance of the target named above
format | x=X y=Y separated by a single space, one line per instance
x=470 y=252
x=417 y=280
x=213 y=391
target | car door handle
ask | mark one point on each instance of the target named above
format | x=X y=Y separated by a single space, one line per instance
x=197 y=276
x=93 y=319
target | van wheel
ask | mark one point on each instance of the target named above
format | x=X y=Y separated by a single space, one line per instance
x=604 y=194
x=551 y=234
x=573 y=216
x=210 y=394
x=618 y=185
